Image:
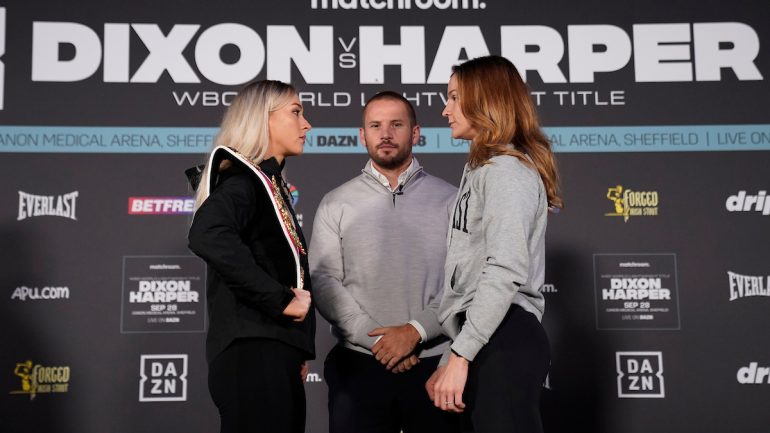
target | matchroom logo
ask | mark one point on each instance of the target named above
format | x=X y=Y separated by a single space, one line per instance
x=163 y=378
x=640 y=374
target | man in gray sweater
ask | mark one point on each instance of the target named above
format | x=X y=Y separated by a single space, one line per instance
x=377 y=260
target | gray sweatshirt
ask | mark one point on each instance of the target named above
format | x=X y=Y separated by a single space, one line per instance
x=496 y=252
x=377 y=257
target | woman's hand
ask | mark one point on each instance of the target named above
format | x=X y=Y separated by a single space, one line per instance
x=299 y=306
x=448 y=388
x=429 y=385
x=303 y=371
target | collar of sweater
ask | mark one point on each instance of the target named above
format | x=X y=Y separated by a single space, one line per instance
x=404 y=178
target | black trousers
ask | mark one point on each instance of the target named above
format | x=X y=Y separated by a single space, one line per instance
x=505 y=379
x=366 y=398
x=256 y=385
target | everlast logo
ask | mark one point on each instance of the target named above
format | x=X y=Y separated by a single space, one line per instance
x=31 y=205
x=742 y=286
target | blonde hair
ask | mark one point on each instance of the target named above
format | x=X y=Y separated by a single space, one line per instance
x=245 y=126
x=495 y=100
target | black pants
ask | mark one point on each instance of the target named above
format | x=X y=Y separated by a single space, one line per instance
x=506 y=377
x=256 y=385
x=366 y=398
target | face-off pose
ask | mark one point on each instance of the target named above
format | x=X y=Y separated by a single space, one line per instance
x=377 y=257
x=492 y=305
x=261 y=322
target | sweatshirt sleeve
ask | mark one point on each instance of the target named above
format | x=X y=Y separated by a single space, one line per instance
x=215 y=236
x=333 y=300
x=510 y=195
x=426 y=321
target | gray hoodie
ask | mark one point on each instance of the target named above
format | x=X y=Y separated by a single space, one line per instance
x=377 y=257
x=496 y=252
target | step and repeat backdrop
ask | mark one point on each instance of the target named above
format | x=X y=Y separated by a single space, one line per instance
x=658 y=270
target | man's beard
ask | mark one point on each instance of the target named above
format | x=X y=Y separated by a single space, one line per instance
x=391 y=161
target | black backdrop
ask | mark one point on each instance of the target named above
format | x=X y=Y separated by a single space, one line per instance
x=78 y=355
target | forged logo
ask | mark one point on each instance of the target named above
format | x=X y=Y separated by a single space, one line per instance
x=2 y=53
x=628 y=203
x=164 y=378
x=39 y=379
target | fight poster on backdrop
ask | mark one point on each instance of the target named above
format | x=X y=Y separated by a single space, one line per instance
x=163 y=294
x=107 y=80
x=636 y=291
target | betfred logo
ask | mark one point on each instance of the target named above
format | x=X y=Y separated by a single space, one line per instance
x=640 y=374
x=754 y=375
x=164 y=378
x=160 y=205
x=743 y=202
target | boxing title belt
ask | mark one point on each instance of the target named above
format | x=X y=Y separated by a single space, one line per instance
x=280 y=208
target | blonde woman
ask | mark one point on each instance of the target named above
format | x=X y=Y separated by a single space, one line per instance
x=492 y=305
x=261 y=322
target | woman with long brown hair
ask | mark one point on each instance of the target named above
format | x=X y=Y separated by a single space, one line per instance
x=492 y=304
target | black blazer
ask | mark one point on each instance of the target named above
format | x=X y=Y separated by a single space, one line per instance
x=251 y=266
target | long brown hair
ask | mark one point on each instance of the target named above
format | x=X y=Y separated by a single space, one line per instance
x=496 y=102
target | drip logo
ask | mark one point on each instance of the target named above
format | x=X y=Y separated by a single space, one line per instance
x=628 y=203
x=743 y=202
x=754 y=375
x=640 y=374
x=164 y=378
x=38 y=379
x=2 y=53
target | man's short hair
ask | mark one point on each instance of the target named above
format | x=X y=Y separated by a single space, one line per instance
x=393 y=96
